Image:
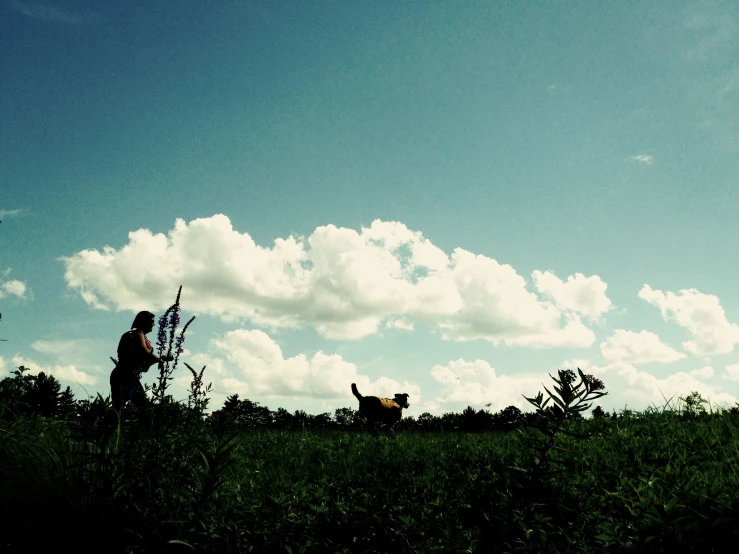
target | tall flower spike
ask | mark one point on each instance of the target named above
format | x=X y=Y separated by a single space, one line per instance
x=168 y=323
x=162 y=332
x=178 y=344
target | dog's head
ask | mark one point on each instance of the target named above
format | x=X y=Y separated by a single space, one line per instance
x=401 y=400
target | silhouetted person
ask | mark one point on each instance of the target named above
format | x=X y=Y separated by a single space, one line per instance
x=135 y=356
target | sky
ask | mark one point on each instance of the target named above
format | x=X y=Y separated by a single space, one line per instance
x=447 y=199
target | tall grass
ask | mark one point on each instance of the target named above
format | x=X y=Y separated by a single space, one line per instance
x=652 y=482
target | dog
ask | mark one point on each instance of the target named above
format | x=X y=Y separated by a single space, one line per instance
x=381 y=410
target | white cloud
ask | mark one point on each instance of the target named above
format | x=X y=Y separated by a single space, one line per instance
x=637 y=348
x=559 y=88
x=476 y=383
x=399 y=323
x=75 y=361
x=579 y=294
x=66 y=349
x=12 y=288
x=343 y=282
x=628 y=386
x=87 y=355
x=732 y=372
x=643 y=158
x=701 y=314
x=249 y=362
x=64 y=373
x=580 y=363
x=8 y=213
x=705 y=372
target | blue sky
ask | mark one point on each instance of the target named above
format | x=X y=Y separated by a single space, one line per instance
x=449 y=199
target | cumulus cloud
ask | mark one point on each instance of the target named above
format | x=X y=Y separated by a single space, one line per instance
x=12 y=288
x=638 y=348
x=732 y=372
x=477 y=383
x=342 y=282
x=65 y=373
x=399 y=323
x=249 y=362
x=700 y=314
x=705 y=372
x=579 y=294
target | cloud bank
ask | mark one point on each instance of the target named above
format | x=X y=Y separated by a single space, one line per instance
x=342 y=282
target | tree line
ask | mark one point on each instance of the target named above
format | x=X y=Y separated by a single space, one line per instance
x=43 y=395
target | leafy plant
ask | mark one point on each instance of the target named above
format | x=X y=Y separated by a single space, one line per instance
x=571 y=399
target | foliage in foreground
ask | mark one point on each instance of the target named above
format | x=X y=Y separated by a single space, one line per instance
x=166 y=478
x=170 y=480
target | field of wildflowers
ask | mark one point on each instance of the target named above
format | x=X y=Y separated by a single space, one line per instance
x=170 y=478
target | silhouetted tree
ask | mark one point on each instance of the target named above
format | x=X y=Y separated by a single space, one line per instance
x=39 y=394
x=321 y=421
x=344 y=417
x=283 y=419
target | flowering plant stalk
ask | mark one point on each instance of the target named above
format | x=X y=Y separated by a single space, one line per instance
x=168 y=343
x=570 y=400
x=198 y=399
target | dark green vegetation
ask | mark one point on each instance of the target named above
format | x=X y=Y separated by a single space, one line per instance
x=168 y=478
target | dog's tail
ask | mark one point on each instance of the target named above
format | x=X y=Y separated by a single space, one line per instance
x=356 y=392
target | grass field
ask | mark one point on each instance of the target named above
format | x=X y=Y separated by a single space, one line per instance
x=654 y=482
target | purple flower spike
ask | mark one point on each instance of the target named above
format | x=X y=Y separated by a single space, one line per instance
x=178 y=344
x=162 y=333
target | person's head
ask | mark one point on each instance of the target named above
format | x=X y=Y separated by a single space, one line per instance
x=144 y=321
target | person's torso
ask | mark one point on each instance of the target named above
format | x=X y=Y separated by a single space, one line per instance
x=131 y=357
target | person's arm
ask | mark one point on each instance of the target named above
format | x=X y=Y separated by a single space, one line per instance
x=146 y=354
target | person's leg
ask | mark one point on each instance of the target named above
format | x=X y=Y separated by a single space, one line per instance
x=117 y=400
x=142 y=403
x=138 y=395
x=117 y=393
